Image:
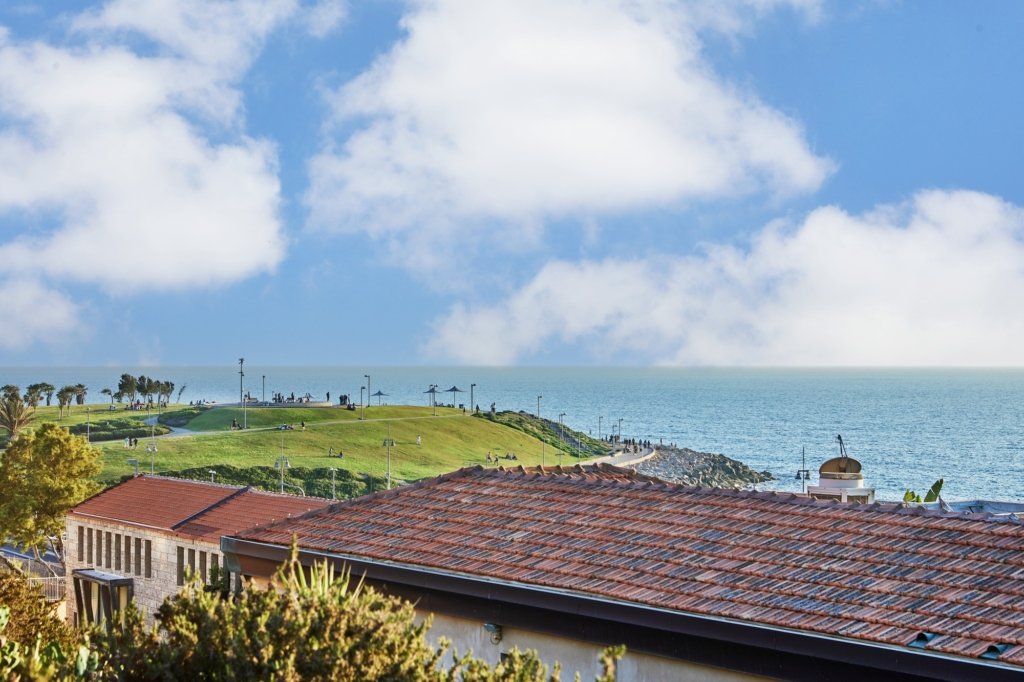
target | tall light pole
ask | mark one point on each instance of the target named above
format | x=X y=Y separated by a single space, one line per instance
x=368 y=389
x=561 y=433
x=472 y=409
x=538 y=406
x=264 y=388
x=241 y=399
x=362 y=407
x=282 y=464
x=599 y=418
x=620 y=429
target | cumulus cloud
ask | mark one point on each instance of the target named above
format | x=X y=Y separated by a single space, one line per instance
x=934 y=281
x=519 y=111
x=102 y=157
x=31 y=313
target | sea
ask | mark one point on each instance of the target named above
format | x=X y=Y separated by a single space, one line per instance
x=907 y=427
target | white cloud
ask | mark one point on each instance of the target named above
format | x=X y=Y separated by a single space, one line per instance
x=324 y=16
x=97 y=145
x=515 y=112
x=935 y=281
x=30 y=313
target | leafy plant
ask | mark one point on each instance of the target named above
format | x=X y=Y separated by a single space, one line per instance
x=931 y=496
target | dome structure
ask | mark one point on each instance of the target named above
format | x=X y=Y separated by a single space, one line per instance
x=840 y=478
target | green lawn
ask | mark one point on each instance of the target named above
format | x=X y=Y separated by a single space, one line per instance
x=450 y=440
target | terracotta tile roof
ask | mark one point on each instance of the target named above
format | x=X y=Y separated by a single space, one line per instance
x=881 y=573
x=191 y=508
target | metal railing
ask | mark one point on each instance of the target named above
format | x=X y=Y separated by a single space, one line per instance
x=53 y=588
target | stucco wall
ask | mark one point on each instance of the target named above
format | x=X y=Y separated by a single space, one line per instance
x=150 y=592
x=574 y=655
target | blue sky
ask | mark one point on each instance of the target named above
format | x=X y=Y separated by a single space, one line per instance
x=641 y=182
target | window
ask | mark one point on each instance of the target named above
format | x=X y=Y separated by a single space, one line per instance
x=202 y=566
x=99 y=597
x=192 y=561
x=81 y=544
x=107 y=548
x=117 y=552
x=127 y=554
x=138 y=556
x=181 y=566
x=149 y=558
x=88 y=546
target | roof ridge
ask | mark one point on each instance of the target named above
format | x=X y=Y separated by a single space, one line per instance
x=210 y=507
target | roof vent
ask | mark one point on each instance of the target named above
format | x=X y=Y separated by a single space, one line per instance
x=922 y=639
x=994 y=651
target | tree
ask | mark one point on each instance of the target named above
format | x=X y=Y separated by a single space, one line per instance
x=127 y=386
x=30 y=614
x=34 y=393
x=64 y=397
x=180 y=391
x=80 y=391
x=107 y=392
x=14 y=416
x=10 y=390
x=43 y=474
x=47 y=390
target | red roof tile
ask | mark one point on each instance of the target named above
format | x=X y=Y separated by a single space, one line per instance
x=878 y=572
x=191 y=508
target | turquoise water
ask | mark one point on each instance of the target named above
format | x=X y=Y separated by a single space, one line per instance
x=907 y=427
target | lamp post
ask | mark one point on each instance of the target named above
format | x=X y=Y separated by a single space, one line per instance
x=264 y=389
x=368 y=389
x=241 y=398
x=803 y=474
x=620 y=429
x=472 y=408
x=599 y=418
x=561 y=433
x=212 y=474
x=388 y=442
x=282 y=464
x=538 y=406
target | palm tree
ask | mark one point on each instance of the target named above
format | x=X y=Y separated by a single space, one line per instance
x=14 y=415
x=64 y=398
x=108 y=392
x=34 y=393
x=80 y=391
x=47 y=390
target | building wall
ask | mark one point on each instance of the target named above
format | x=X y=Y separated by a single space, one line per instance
x=574 y=655
x=149 y=590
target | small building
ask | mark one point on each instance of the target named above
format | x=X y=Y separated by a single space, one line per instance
x=136 y=541
x=698 y=583
x=840 y=479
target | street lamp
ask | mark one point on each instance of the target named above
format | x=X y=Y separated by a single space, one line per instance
x=538 y=406
x=472 y=409
x=264 y=389
x=620 y=429
x=282 y=464
x=599 y=418
x=241 y=399
x=561 y=433
x=212 y=474
x=367 y=387
x=389 y=443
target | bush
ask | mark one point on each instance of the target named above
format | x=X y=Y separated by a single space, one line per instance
x=31 y=616
x=117 y=429
x=316 y=482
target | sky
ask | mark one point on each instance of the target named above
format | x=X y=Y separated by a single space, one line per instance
x=520 y=182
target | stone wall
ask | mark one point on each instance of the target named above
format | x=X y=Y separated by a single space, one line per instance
x=689 y=467
x=149 y=591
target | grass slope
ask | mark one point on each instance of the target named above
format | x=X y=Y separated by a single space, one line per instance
x=450 y=440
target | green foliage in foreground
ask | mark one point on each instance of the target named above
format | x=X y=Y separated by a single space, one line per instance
x=31 y=616
x=308 y=626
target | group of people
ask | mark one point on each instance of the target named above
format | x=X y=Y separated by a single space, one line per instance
x=496 y=458
x=131 y=443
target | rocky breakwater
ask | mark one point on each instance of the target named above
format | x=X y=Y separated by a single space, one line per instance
x=689 y=467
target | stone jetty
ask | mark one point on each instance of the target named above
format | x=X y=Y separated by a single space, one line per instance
x=689 y=467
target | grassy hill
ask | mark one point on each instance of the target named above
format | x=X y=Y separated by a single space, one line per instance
x=424 y=443
x=447 y=441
